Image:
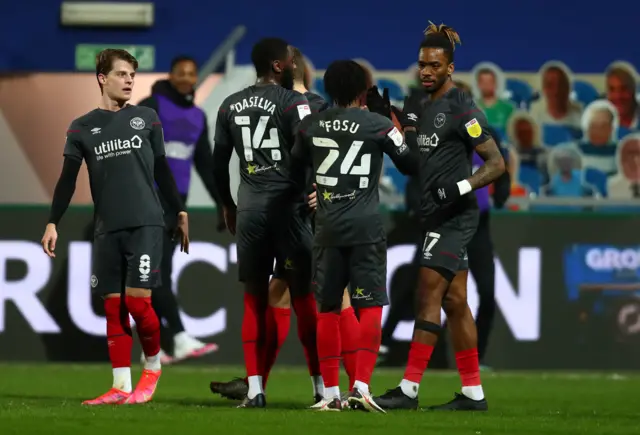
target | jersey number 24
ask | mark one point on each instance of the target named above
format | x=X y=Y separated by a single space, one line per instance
x=257 y=140
x=346 y=166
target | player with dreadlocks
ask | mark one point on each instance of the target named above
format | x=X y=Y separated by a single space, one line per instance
x=445 y=125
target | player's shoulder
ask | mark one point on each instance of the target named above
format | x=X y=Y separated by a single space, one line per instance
x=316 y=102
x=375 y=122
x=143 y=112
x=84 y=120
x=461 y=100
x=311 y=121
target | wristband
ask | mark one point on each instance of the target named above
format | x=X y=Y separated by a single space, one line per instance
x=464 y=187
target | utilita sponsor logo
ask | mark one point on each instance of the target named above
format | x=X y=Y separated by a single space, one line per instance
x=117 y=147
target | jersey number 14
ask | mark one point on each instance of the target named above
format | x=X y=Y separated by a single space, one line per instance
x=258 y=141
x=347 y=166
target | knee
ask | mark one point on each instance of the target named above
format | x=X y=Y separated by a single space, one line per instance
x=454 y=304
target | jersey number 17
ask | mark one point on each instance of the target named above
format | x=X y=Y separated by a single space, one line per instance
x=347 y=166
x=257 y=140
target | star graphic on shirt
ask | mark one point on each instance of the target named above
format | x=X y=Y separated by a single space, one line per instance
x=288 y=264
x=326 y=196
x=251 y=168
x=359 y=291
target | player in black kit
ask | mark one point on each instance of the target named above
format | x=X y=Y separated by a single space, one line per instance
x=123 y=148
x=260 y=123
x=446 y=129
x=345 y=147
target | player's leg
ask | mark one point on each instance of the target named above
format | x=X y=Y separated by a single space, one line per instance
x=437 y=269
x=350 y=336
x=368 y=276
x=255 y=265
x=165 y=304
x=465 y=344
x=278 y=319
x=483 y=269
x=106 y=283
x=331 y=275
x=142 y=247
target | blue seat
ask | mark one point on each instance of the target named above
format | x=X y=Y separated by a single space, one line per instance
x=586 y=93
x=597 y=179
x=553 y=135
x=395 y=90
x=623 y=131
x=521 y=92
x=530 y=177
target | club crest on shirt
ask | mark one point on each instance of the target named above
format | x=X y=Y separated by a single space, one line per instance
x=439 y=120
x=473 y=128
x=137 y=123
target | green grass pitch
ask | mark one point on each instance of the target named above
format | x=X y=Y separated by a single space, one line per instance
x=45 y=399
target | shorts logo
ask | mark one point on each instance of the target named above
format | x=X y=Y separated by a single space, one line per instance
x=144 y=268
x=94 y=281
x=440 y=120
x=430 y=241
x=412 y=117
x=359 y=293
x=473 y=128
x=137 y=123
x=442 y=194
x=288 y=264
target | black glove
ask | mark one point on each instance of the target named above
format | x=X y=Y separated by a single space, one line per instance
x=445 y=193
x=379 y=104
x=404 y=120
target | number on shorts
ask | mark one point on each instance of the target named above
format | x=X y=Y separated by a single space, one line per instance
x=346 y=167
x=430 y=241
x=257 y=140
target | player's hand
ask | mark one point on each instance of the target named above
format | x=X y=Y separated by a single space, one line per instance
x=379 y=104
x=49 y=240
x=445 y=193
x=230 y=219
x=313 y=198
x=182 y=231
x=407 y=120
x=221 y=225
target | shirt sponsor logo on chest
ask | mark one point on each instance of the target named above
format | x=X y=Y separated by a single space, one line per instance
x=117 y=147
x=425 y=142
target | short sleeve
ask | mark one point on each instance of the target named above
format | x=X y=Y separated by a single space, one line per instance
x=156 y=137
x=222 y=136
x=297 y=108
x=73 y=143
x=473 y=126
x=392 y=141
x=300 y=150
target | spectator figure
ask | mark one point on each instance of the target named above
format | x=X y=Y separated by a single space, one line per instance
x=555 y=107
x=489 y=85
x=626 y=183
x=599 y=140
x=525 y=137
x=566 y=177
x=621 y=85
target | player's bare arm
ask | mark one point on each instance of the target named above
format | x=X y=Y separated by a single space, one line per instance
x=493 y=166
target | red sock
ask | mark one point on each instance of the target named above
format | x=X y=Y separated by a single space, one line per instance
x=369 y=343
x=419 y=356
x=350 y=336
x=278 y=321
x=329 y=348
x=468 y=367
x=119 y=342
x=147 y=324
x=253 y=329
x=307 y=315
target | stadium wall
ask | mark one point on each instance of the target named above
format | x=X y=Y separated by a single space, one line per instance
x=566 y=289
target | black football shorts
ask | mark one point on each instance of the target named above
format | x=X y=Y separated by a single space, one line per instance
x=127 y=258
x=283 y=236
x=363 y=267
x=445 y=246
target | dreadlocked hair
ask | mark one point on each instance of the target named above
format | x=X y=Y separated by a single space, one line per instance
x=344 y=82
x=441 y=36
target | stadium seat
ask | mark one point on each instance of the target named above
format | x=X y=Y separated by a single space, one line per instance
x=585 y=92
x=553 y=135
x=395 y=90
x=530 y=177
x=597 y=179
x=623 y=131
x=520 y=92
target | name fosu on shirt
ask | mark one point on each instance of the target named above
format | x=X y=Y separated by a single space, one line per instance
x=259 y=102
x=338 y=125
